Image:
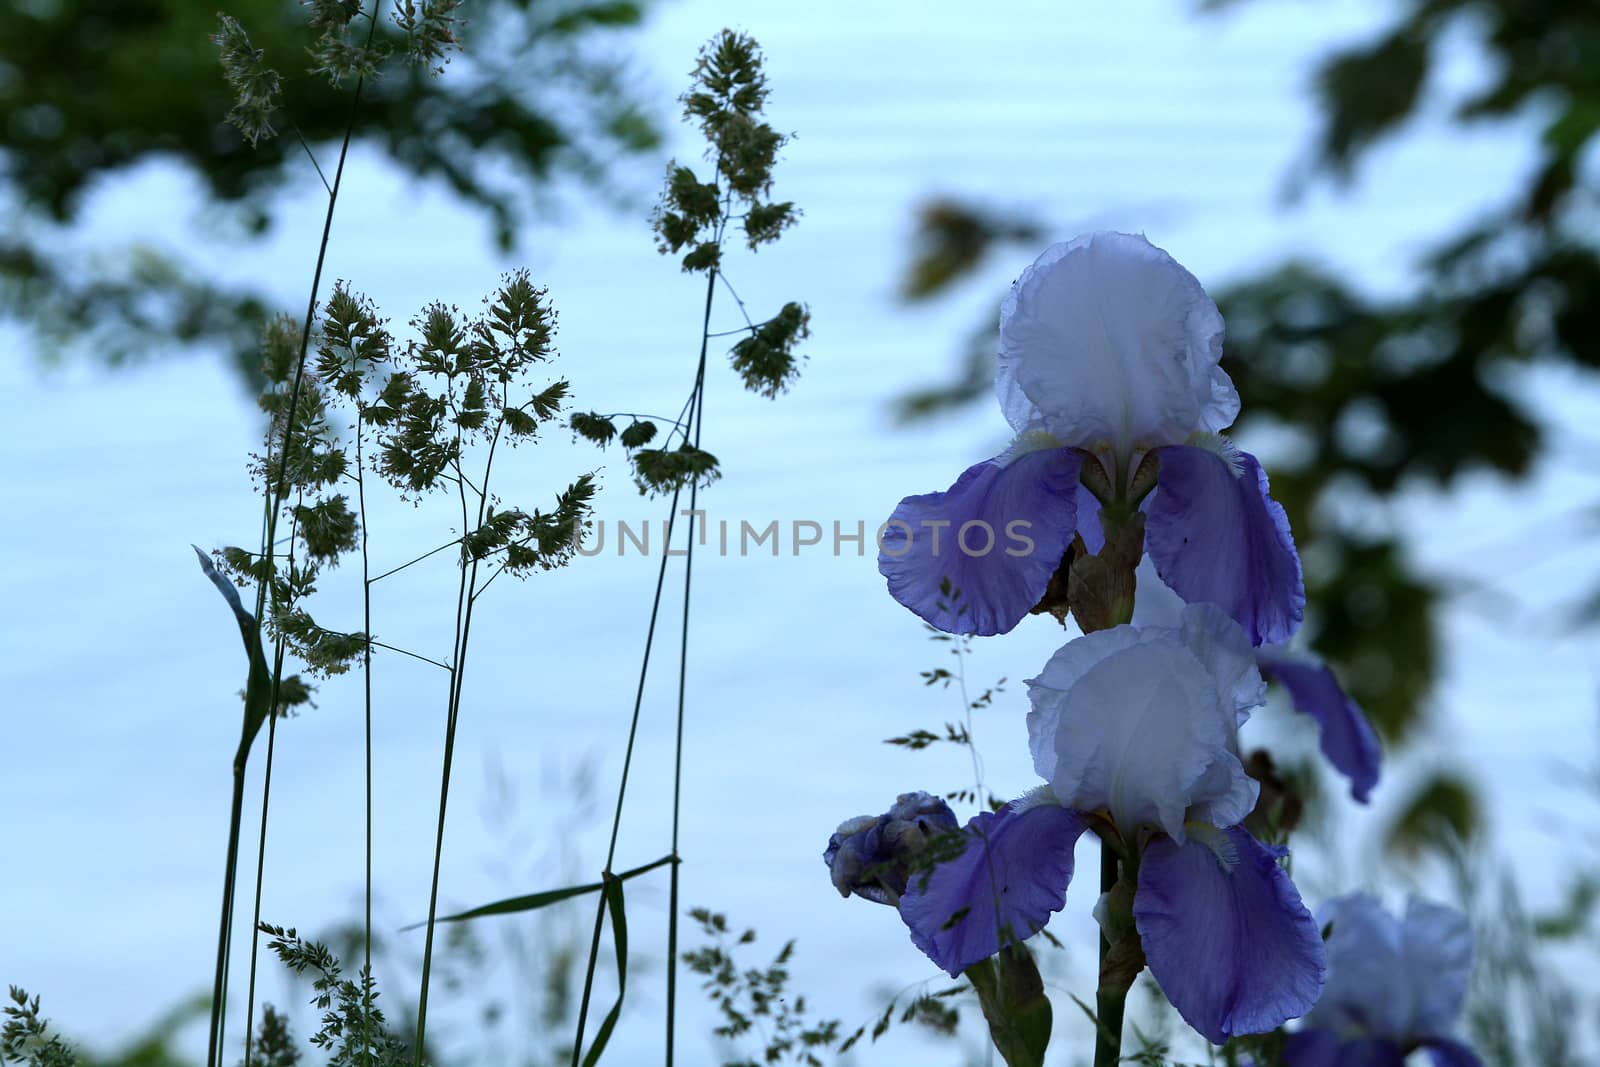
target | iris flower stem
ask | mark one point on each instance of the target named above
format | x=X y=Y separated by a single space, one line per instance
x=1109 y=1001
x=1110 y=998
x=1108 y=1040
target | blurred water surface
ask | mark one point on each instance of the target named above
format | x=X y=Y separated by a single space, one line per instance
x=120 y=666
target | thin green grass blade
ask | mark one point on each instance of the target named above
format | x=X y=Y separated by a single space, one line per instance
x=247 y=621
x=258 y=687
x=619 y=937
x=535 y=901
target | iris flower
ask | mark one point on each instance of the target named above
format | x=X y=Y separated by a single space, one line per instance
x=1394 y=985
x=1135 y=732
x=1347 y=738
x=871 y=856
x=1108 y=366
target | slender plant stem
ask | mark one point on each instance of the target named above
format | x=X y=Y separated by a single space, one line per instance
x=1108 y=1003
x=219 y=989
x=438 y=853
x=1110 y=999
x=312 y=156
x=413 y=562
x=266 y=796
x=366 y=678
x=465 y=600
x=748 y=322
x=622 y=786
x=230 y=868
x=240 y=760
x=698 y=418
x=588 y=976
x=261 y=868
x=463 y=604
x=408 y=652
x=438 y=840
x=693 y=410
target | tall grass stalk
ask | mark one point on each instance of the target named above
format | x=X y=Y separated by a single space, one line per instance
x=466 y=597
x=214 y=1051
x=727 y=94
x=697 y=417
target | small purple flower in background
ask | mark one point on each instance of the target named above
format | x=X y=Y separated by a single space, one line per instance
x=1347 y=738
x=871 y=855
x=1135 y=731
x=1394 y=985
x=1109 y=354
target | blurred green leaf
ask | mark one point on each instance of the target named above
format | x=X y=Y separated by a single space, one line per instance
x=78 y=106
x=1441 y=815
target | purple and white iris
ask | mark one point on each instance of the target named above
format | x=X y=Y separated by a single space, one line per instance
x=1394 y=985
x=1109 y=354
x=1135 y=732
x=872 y=855
x=1347 y=738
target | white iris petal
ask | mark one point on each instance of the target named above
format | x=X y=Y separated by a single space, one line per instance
x=1114 y=347
x=1143 y=723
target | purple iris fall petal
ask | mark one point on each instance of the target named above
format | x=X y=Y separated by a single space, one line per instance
x=965 y=537
x=1226 y=935
x=1011 y=876
x=1403 y=978
x=1217 y=537
x=1348 y=739
x=1324 y=1048
x=1447 y=1053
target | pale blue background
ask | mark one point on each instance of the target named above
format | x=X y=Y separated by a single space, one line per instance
x=119 y=666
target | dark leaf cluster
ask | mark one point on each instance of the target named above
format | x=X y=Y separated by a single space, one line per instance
x=352 y=1030
x=951 y=240
x=327 y=528
x=541 y=540
x=541 y=95
x=919 y=738
x=334 y=14
x=325 y=652
x=278 y=350
x=461 y=382
x=754 y=999
x=655 y=470
x=25 y=1037
x=464 y=380
x=293 y=692
x=343 y=47
x=303 y=455
x=931 y=1011
x=594 y=427
x=766 y=360
x=516 y=331
x=354 y=341
x=255 y=86
x=275 y=1045
x=662 y=470
x=430 y=29
x=302 y=467
x=637 y=434
x=725 y=99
